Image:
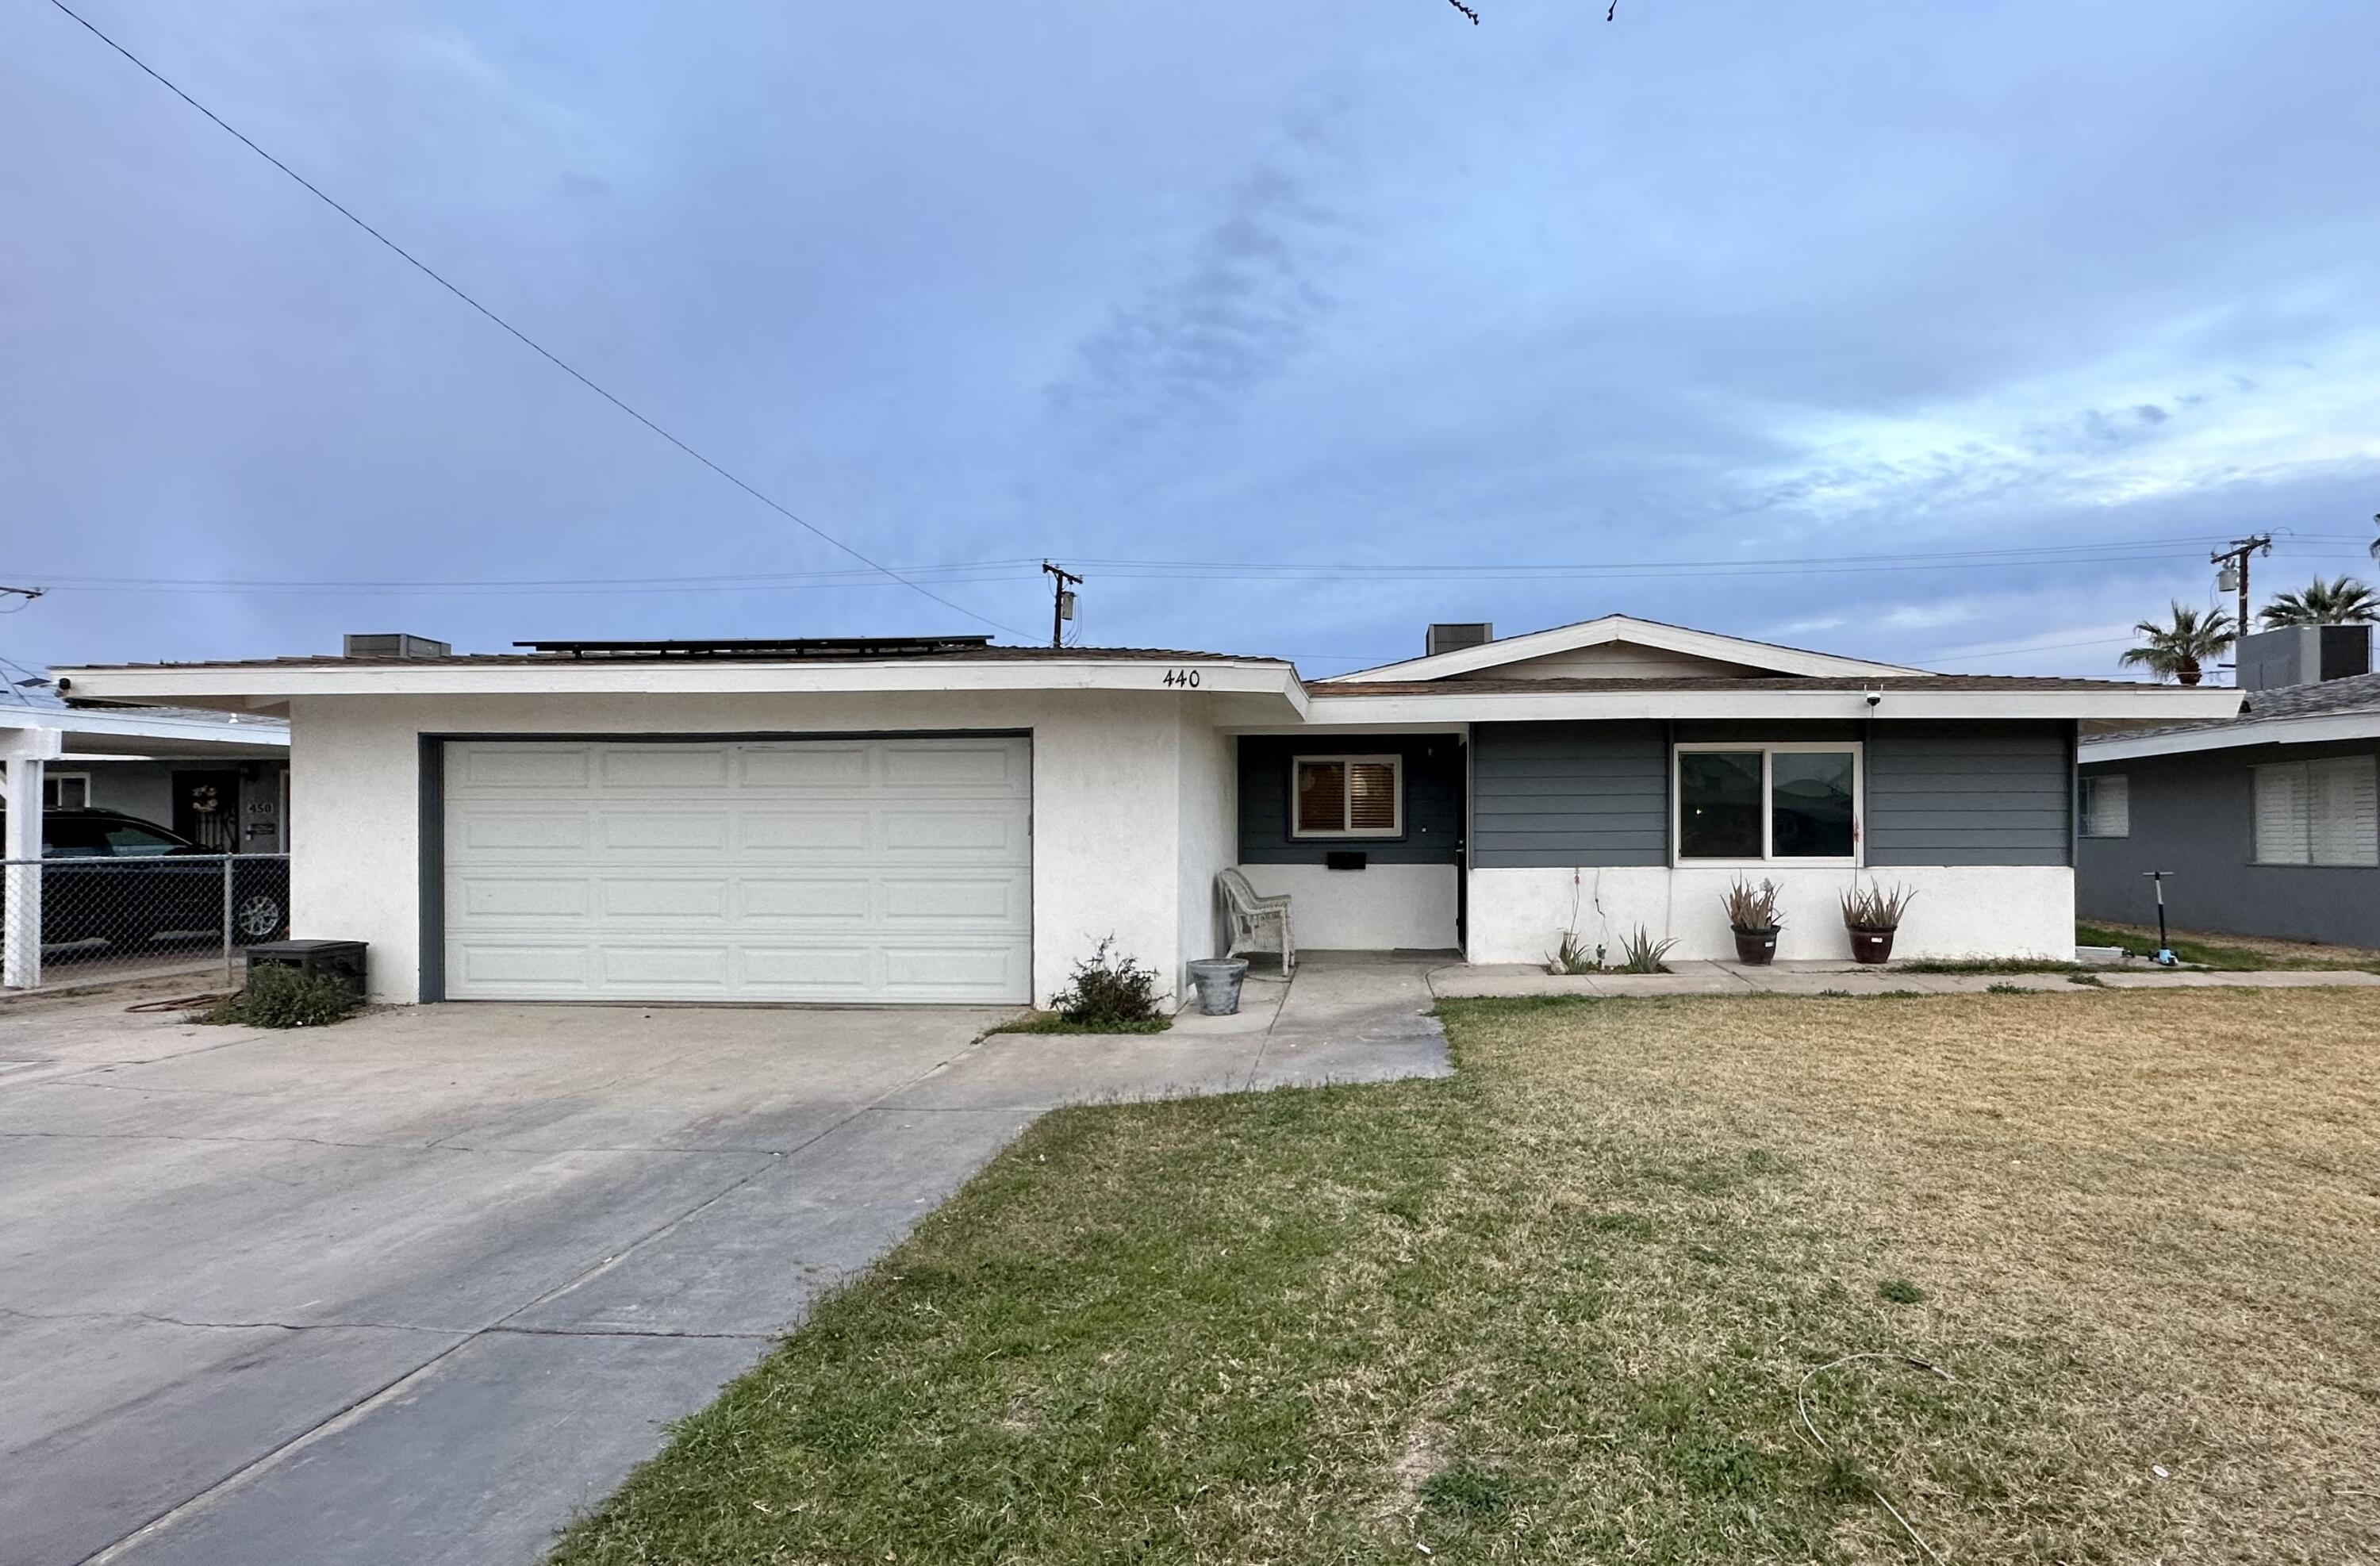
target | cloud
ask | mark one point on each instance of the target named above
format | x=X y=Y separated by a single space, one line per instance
x=1234 y=313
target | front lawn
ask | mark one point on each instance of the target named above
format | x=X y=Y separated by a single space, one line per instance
x=1558 y=1308
x=2237 y=952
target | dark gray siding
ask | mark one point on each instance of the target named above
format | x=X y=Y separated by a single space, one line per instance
x=1433 y=807
x=1569 y=794
x=1561 y=795
x=1970 y=793
x=2193 y=815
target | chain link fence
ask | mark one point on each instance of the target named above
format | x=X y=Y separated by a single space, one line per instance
x=69 y=919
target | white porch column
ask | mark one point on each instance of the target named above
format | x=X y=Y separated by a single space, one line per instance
x=25 y=752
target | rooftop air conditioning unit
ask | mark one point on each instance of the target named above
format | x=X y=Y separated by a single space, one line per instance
x=1454 y=638
x=393 y=644
x=2302 y=655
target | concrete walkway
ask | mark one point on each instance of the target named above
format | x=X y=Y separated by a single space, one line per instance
x=1813 y=978
x=1348 y=1017
x=417 y=1288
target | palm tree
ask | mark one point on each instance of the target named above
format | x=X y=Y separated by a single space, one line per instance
x=2179 y=650
x=2343 y=602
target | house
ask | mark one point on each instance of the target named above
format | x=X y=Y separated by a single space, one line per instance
x=938 y=818
x=2269 y=821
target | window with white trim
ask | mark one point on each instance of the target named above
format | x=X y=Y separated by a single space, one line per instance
x=2324 y=812
x=66 y=790
x=1347 y=796
x=1752 y=804
x=2107 y=805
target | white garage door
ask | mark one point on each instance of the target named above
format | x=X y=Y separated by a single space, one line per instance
x=878 y=869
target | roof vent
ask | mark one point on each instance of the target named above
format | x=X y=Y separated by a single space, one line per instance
x=393 y=644
x=1455 y=637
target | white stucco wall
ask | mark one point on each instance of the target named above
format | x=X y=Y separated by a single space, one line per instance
x=1379 y=908
x=1959 y=911
x=1111 y=849
x=1209 y=793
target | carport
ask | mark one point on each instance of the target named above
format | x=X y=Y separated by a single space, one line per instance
x=35 y=738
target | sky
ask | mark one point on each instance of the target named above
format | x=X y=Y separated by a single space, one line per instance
x=1953 y=334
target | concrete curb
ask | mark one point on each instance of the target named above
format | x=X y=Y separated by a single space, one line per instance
x=1461 y=983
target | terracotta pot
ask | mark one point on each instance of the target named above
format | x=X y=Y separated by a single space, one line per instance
x=1871 y=946
x=1756 y=948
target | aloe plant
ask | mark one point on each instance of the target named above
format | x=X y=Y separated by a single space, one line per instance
x=1571 y=956
x=1876 y=909
x=1641 y=954
x=1753 y=908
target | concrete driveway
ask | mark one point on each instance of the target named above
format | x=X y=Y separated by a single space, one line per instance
x=417 y=1288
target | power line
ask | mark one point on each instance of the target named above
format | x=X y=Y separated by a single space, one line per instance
x=2106 y=552
x=2017 y=651
x=1002 y=571
x=543 y=352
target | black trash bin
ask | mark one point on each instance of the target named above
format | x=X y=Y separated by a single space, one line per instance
x=342 y=960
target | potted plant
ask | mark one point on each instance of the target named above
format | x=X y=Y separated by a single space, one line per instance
x=1751 y=915
x=1872 y=917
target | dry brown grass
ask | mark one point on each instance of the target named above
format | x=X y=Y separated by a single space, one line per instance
x=1557 y=1308
x=2179 y=1196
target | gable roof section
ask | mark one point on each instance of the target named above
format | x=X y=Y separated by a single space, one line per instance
x=2334 y=710
x=1882 y=697
x=1767 y=657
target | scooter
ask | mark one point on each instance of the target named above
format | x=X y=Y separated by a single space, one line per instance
x=2164 y=957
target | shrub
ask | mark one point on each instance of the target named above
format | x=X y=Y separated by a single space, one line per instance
x=282 y=997
x=1108 y=990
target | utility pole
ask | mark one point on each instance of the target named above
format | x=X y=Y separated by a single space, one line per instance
x=27 y=594
x=2234 y=562
x=1062 y=605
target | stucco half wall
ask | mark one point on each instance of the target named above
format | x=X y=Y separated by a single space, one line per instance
x=1519 y=915
x=1131 y=804
x=1379 y=908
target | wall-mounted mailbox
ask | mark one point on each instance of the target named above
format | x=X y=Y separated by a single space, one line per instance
x=1346 y=858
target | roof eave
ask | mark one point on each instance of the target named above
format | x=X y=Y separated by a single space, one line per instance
x=2317 y=729
x=266 y=685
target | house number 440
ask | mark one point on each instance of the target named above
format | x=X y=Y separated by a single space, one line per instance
x=1186 y=677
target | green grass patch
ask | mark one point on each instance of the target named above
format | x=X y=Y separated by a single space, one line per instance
x=1988 y=966
x=2206 y=953
x=1051 y=1022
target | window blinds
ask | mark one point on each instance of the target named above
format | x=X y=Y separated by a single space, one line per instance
x=2324 y=812
x=2107 y=805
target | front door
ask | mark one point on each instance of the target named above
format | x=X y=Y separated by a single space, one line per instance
x=206 y=810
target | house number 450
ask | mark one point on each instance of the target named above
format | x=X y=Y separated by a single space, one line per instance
x=1188 y=677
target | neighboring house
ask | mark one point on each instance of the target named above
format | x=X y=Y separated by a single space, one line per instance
x=941 y=819
x=220 y=779
x=2269 y=821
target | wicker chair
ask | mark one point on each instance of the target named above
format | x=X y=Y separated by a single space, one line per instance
x=1259 y=923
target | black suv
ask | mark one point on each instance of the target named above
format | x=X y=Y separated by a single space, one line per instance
x=132 y=883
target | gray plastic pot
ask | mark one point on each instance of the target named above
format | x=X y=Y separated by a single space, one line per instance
x=1218 y=979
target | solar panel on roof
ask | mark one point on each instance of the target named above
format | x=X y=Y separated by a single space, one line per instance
x=802 y=647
